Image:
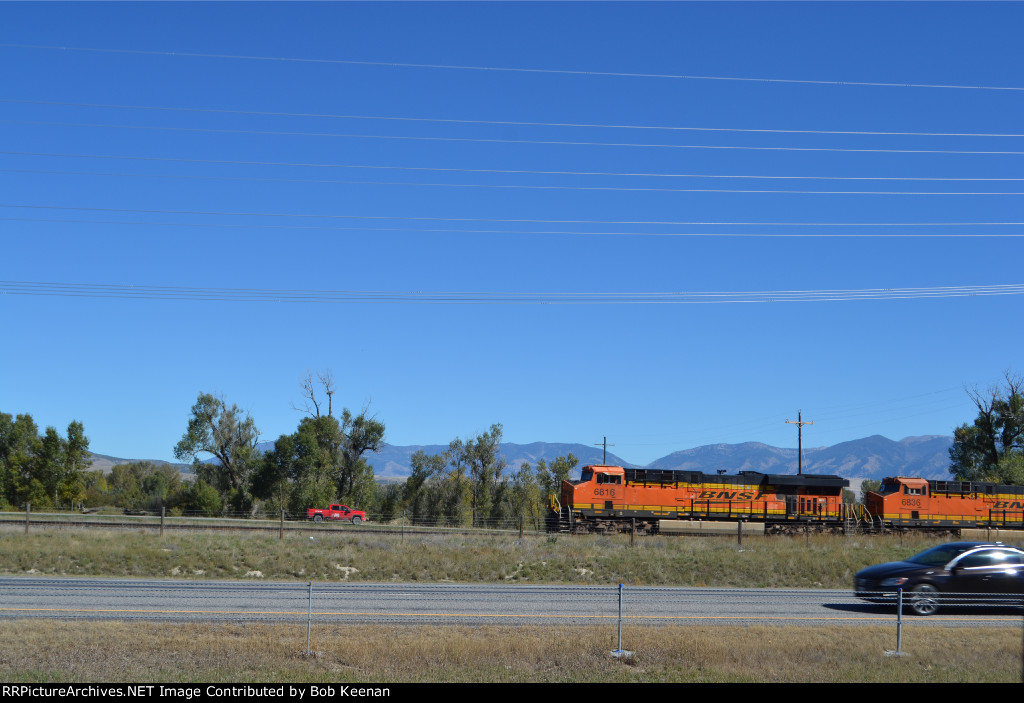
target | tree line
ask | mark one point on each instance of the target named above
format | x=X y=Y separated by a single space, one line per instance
x=324 y=461
x=44 y=469
x=468 y=485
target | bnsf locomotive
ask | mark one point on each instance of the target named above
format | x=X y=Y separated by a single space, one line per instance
x=615 y=499
x=611 y=499
x=920 y=503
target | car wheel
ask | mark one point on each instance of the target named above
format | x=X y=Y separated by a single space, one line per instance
x=924 y=599
x=318 y=518
x=356 y=520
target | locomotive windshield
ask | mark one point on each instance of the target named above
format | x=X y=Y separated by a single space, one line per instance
x=888 y=487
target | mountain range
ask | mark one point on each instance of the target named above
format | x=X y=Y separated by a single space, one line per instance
x=872 y=457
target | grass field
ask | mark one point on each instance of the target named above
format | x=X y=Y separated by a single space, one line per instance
x=334 y=552
x=51 y=651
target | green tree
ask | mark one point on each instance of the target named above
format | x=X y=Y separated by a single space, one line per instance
x=274 y=480
x=143 y=485
x=204 y=499
x=867 y=486
x=43 y=470
x=526 y=495
x=551 y=477
x=74 y=462
x=126 y=486
x=486 y=464
x=416 y=492
x=230 y=437
x=333 y=449
x=991 y=447
x=19 y=444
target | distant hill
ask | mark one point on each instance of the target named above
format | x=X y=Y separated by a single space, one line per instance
x=872 y=457
x=104 y=463
x=395 y=461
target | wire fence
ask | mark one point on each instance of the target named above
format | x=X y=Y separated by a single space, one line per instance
x=281 y=521
x=469 y=604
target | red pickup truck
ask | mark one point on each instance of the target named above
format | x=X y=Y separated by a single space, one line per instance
x=336 y=512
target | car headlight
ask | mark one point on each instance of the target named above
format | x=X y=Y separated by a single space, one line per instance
x=895 y=581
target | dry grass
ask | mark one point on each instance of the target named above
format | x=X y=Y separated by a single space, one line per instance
x=105 y=651
x=337 y=554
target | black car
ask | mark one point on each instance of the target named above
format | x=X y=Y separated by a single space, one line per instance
x=950 y=573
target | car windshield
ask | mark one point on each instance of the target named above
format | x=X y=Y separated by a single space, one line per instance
x=939 y=556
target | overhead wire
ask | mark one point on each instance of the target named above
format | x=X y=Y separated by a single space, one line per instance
x=376 y=218
x=509 y=69
x=510 y=186
x=448 y=169
x=91 y=290
x=505 y=123
x=474 y=140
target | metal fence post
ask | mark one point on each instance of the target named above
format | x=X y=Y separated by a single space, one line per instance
x=28 y=511
x=621 y=653
x=899 y=625
x=899 y=621
x=281 y=533
x=163 y=512
x=309 y=620
x=619 y=648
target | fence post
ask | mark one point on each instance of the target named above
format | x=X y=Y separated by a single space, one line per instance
x=403 y=526
x=619 y=649
x=739 y=533
x=632 y=541
x=281 y=533
x=899 y=621
x=899 y=625
x=309 y=620
x=28 y=510
x=520 y=527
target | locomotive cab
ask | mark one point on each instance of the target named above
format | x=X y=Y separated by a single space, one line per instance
x=599 y=487
x=900 y=498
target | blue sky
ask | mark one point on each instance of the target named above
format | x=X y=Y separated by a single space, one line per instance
x=363 y=147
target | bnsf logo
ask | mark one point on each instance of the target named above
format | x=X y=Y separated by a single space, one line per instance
x=1008 y=505
x=730 y=495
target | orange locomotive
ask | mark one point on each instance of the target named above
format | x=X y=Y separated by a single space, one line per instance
x=919 y=503
x=613 y=499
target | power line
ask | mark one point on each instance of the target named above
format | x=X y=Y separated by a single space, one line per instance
x=504 y=123
x=667 y=223
x=507 y=69
x=508 y=186
x=541 y=142
x=90 y=290
x=420 y=230
x=445 y=169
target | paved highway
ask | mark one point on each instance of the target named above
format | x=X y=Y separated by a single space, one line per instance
x=220 y=601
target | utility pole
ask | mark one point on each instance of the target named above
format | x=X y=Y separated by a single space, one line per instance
x=604 y=460
x=799 y=442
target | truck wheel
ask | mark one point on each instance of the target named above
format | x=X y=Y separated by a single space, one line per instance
x=356 y=519
x=318 y=518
